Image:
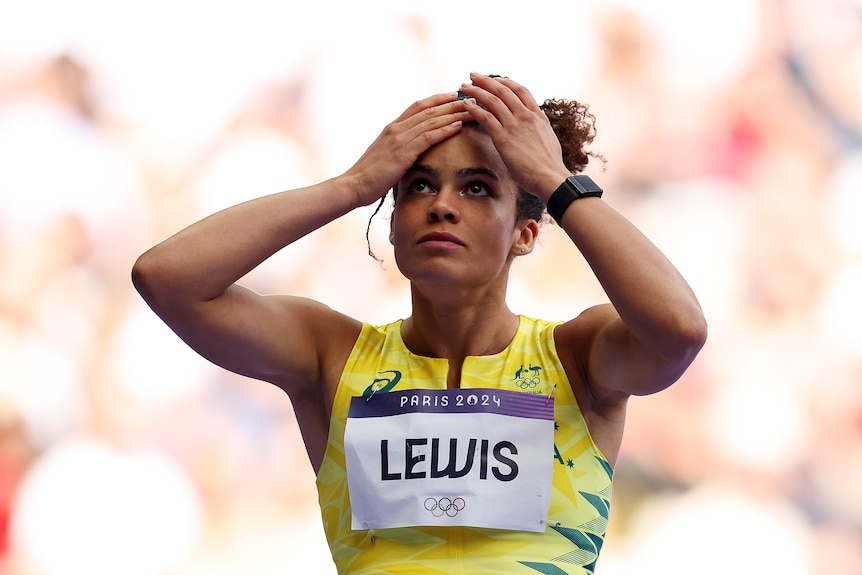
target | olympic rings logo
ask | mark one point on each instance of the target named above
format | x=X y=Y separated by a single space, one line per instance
x=445 y=506
x=528 y=383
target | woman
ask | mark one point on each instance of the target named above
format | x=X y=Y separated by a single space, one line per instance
x=465 y=438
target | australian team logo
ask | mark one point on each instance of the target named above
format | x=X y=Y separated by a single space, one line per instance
x=528 y=377
x=445 y=506
x=386 y=382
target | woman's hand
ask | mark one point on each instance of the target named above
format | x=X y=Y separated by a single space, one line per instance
x=521 y=132
x=424 y=124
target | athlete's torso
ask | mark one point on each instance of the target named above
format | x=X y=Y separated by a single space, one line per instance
x=581 y=489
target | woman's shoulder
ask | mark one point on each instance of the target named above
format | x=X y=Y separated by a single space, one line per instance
x=379 y=336
x=582 y=329
x=537 y=328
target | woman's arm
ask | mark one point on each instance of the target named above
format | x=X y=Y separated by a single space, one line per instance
x=189 y=279
x=654 y=328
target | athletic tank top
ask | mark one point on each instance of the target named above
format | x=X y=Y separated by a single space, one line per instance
x=581 y=491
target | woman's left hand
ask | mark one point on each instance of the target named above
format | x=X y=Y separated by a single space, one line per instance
x=521 y=132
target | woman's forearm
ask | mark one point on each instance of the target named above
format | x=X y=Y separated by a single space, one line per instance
x=201 y=261
x=650 y=295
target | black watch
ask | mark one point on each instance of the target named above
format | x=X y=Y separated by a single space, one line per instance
x=573 y=188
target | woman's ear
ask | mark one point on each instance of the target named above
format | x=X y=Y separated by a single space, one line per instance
x=525 y=239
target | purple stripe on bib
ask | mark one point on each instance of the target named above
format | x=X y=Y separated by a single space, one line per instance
x=474 y=400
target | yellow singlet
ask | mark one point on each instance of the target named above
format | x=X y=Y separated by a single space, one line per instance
x=580 y=500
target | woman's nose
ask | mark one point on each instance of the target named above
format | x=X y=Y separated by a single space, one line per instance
x=444 y=207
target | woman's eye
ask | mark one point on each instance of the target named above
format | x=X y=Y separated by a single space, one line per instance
x=420 y=187
x=477 y=189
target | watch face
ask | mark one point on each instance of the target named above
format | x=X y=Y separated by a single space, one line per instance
x=585 y=186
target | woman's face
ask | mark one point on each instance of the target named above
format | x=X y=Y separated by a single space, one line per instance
x=454 y=218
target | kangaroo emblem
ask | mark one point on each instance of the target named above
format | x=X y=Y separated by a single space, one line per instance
x=527 y=377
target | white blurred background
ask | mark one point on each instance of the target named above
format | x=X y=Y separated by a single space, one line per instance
x=733 y=134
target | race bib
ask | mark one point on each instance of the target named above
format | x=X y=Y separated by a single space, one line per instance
x=471 y=457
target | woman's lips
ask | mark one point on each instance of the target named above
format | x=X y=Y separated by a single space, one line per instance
x=440 y=239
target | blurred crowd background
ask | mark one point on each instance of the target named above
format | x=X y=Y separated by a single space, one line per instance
x=732 y=132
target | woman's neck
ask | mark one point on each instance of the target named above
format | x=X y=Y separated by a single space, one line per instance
x=455 y=331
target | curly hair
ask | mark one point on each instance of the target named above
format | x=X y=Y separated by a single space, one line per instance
x=575 y=128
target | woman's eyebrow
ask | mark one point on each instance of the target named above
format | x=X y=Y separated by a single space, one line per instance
x=462 y=173
x=423 y=169
x=468 y=172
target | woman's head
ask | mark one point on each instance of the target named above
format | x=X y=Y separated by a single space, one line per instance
x=574 y=127
x=454 y=218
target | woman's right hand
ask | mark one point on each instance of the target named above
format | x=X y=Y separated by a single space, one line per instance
x=424 y=124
